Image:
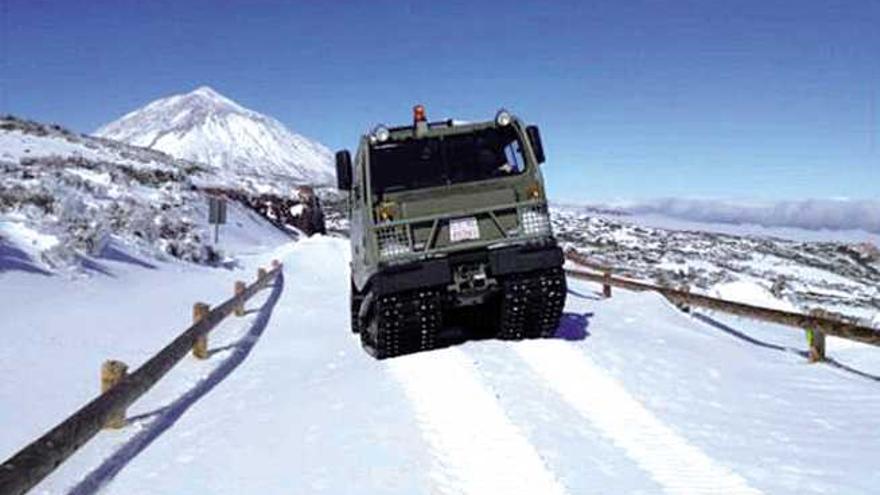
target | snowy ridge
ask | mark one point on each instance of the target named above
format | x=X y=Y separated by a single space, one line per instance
x=810 y=214
x=208 y=127
x=843 y=277
x=814 y=214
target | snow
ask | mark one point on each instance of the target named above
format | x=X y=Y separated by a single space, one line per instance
x=837 y=276
x=666 y=221
x=65 y=197
x=438 y=385
x=719 y=217
x=28 y=238
x=685 y=265
x=803 y=274
x=102 y=178
x=297 y=210
x=676 y=465
x=60 y=329
x=652 y=400
x=750 y=293
x=17 y=145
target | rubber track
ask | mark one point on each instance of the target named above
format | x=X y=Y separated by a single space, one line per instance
x=532 y=305
x=404 y=323
x=356 y=301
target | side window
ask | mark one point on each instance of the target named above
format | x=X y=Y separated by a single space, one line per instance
x=363 y=178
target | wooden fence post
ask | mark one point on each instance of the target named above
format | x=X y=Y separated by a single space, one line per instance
x=816 y=339
x=606 y=285
x=683 y=304
x=239 y=290
x=112 y=372
x=200 y=347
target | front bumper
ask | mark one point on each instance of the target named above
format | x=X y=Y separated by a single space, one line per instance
x=438 y=271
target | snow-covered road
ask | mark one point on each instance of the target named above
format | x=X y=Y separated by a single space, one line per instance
x=650 y=401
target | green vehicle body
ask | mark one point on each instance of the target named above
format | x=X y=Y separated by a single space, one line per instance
x=403 y=239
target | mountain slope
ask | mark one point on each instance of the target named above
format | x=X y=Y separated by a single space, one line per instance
x=70 y=202
x=835 y=276
x=207 y=127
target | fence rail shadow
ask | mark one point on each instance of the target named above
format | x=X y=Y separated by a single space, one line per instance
x=164 y=417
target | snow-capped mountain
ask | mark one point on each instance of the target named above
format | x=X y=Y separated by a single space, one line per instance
x=207 y=127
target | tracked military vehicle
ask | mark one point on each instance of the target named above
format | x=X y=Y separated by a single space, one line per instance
x=450 y=228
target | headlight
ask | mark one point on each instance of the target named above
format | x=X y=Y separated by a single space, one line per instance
x=386 y=211
x=535 y=221
x=381 y=133
x=393 y=241
x=503 y=117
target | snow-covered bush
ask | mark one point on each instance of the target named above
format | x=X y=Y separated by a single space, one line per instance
x=86 y=192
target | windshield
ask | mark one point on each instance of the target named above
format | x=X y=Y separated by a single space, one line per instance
x=431 y=162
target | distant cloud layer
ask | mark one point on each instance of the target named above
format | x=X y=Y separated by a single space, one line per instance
x=811 y=214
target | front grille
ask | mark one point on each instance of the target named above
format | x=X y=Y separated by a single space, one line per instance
x=393 y=241
x=535 y=221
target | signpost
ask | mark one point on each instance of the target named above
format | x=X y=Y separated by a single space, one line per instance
x=216 y=214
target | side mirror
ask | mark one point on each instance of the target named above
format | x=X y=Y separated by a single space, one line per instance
x=343 y=170
x=535 y=140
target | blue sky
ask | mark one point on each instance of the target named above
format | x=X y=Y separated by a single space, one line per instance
x=708 y=99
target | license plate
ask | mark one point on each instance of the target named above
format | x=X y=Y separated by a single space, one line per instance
x=464 y=229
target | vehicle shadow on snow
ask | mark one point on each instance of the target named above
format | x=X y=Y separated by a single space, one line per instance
x=573 y=326
x=164 y=417
x=466 y=328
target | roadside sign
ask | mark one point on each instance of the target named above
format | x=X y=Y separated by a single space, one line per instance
x=216 y=210
x=216 y=214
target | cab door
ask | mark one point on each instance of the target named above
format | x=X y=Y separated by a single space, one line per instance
x=357 y=203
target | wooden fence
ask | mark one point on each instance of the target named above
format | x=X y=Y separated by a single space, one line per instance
x=819 y=325
x=31 y=464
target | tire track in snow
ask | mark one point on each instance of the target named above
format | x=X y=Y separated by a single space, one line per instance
x=479 y=449
x=678 y=466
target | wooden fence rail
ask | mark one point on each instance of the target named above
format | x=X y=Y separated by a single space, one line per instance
x=31 y=464
x=824 y=325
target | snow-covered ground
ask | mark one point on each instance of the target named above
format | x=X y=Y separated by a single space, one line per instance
x=815 y=220
x=57 y=330
x=832 y=274
x=651 y=400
